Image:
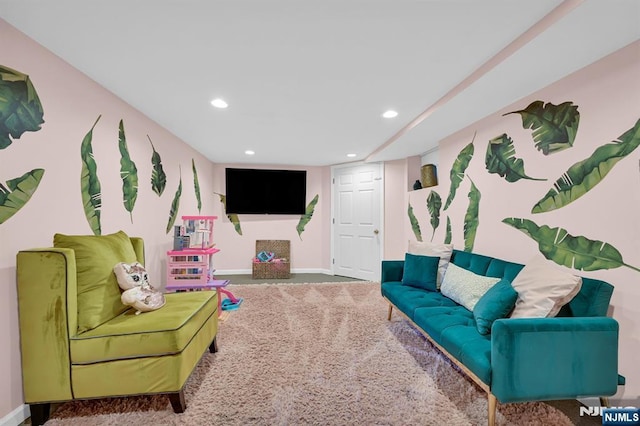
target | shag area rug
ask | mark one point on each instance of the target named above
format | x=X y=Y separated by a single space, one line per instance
x=315 y=354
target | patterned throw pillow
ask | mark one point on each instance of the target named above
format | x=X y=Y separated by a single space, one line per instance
x=464 y=287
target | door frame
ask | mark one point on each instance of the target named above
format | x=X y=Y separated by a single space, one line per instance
x=333 y=208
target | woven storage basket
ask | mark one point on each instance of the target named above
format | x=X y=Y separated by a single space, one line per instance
x=281 y=250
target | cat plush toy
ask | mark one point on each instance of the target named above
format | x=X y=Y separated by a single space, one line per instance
x=138 y=292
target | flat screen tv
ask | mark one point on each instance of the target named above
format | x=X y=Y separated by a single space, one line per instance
x=264 y=191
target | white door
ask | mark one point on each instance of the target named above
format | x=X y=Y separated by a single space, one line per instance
x=357 y=220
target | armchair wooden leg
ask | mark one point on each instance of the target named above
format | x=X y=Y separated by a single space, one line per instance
x=493 y=402
x=177 y=402
x=604 y=401
x=390 y=310
x=39 y=413
x=213 y=347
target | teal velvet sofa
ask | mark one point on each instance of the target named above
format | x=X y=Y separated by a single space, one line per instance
x=570 y=356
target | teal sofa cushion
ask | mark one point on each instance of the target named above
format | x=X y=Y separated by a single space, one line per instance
x=476 y=263
x=436 y=319
x=455 y=330
x=470 y=348
x=421 y=271
x=592 y=300
x=495 y=304
x=408 y=299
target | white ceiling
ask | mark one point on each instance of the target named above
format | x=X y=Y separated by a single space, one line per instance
x=307 y=80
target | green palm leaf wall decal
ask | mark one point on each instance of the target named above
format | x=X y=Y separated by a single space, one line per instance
x=415 y=226
x=447 y=236
x=500 y=159
x=458 y=170
x=584 y=175
x=175 y=206
x=434 y=204
x=306 y=217
x=90 y=184
x=17 y=192
x=579 y=252
x=20 y=107
x=471 y=218
x=158 y=177
x=554 y=126
x=128 y=173
x=196 y=184
x=233 y=218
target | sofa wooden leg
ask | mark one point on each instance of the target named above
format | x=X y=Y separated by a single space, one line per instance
x=390 y=310
x=213 y=347
x=493 y=402
x=177 y=402
x=39 y=413
x=604 y=401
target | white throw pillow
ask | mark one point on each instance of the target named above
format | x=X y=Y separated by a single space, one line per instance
x=464 y=287
x=543 y=289
x=443 y=251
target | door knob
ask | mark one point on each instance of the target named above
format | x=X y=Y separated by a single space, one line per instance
x=375 y=231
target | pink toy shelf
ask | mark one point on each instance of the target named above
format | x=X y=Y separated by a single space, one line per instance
x=192 y=266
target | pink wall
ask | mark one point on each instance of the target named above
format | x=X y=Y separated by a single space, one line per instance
x=607 y=97
x=399 y=176
x=71 y=104
x=309 y=251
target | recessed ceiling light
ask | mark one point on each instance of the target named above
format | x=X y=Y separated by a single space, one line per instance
x=219 y=103
x=351 y=155
x=390 y=114
x=249 y=152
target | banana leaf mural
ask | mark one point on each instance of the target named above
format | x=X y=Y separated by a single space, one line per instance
x=579 y=252
x=158 y=177
x=17 y=192
x=128 y=173
x=175 y=206
x=306 y=217
x=500 y=159
x=196 y=184
x=458 y=169
x=434 y=204
x=554 y=126
x=447 y=235
x=584 y=175
x=415 y=226
x=233 y=218
x=90 y=184
x=20 y=107
x=472 y=218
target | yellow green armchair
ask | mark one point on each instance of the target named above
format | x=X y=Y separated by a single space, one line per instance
x=77 y=339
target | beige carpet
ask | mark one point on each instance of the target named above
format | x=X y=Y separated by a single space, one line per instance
x=315 y=354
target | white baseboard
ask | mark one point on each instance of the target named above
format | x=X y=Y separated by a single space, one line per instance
x=312 y=271
x=293 y=271
x=16 y=417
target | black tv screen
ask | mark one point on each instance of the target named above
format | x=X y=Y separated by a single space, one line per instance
x=264 y=191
